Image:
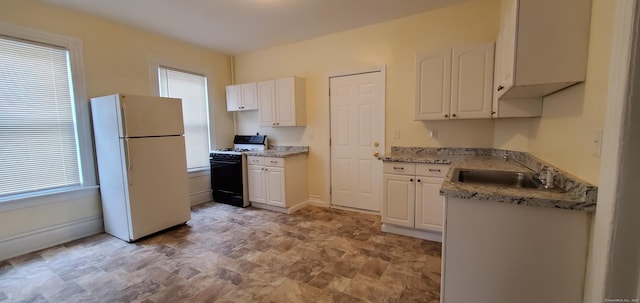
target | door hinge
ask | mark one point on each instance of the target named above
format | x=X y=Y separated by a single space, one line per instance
x=330 y=190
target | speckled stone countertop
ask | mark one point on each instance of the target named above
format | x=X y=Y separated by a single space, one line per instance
x=570 y=192
x=280 y=151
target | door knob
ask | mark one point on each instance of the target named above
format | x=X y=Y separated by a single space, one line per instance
x=376 y=154
x=376 y=144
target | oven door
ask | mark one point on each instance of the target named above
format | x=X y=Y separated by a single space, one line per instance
x=226 y=181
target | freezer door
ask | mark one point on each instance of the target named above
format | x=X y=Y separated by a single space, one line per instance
x=158 y=189
x=144 y=116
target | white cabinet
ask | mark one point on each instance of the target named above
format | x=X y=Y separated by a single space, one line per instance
x=241 y=97
x=455 y=83
x=541 y=48
x=412 y=196
x=278 y=184
x=282 y=102
x=501 y=253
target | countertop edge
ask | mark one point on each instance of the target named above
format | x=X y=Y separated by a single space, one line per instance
x=585 y=201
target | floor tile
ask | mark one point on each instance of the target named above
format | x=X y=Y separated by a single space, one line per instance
x=230 y=254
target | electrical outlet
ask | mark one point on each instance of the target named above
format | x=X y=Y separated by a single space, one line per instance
x=596 y=144
x=396 y=134
x=433 y=133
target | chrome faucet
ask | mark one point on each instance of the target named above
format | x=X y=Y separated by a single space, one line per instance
x=546 y=177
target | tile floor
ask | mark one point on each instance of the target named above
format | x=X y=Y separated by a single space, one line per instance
x=229 y=254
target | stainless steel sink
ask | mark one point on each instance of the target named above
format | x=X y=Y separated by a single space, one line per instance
x=502 y=178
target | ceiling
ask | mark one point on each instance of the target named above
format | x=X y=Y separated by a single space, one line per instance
x=238 y=26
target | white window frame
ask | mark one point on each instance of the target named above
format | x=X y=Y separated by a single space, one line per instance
x=81 y=105
x=154 y=84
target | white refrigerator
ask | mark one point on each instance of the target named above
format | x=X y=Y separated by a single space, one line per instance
x=141 y=164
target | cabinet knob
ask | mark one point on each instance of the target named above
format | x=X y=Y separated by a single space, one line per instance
x=376 y=154
x=273 y=123
x=454 y=115
x=446 y=116
x=410 y=180
x=500 y=87
x=419 y=180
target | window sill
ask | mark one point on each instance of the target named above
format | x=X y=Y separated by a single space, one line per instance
x=47 y=197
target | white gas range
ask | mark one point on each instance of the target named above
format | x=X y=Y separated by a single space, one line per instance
x=229 y=170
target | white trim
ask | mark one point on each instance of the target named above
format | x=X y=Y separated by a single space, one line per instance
x=49 y=236
x=364 y=211
x=600 y=248
x=199 y=172
x=315 y=201
x=410 y=232
x=50 y=198
x=200 y=197
x=283 y=210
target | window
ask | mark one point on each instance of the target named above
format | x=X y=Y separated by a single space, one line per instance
x=192 y=89
x=38 y=138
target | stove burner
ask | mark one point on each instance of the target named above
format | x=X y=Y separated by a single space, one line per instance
x=232 y=150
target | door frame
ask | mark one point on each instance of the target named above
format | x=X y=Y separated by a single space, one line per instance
x=379 y=68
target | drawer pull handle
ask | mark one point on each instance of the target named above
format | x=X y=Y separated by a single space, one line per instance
x=274 y=162
x=400 y=168
x=434 y=170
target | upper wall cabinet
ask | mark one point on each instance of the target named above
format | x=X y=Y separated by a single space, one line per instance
x=242 y=97
x=541 y=48
x=455 y=83
x=282 y=102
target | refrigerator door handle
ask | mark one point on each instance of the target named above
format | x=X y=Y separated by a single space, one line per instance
x=123 y=110
x=127 y=154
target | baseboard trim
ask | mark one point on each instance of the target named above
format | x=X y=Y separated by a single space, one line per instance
x=316 y=201
x=283 y=210
x=414 y=233
x=199 y=197
x=49 y=236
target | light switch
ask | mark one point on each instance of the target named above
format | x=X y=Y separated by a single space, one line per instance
x=596 y=144
x=396 y=134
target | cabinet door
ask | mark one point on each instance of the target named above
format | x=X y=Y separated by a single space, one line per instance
x=506 y=51
x=398 y=200
x=429 y=203
x=274 y=183
x=433 y=85
x=234 y=95
x=285 y=102
x=472 y=81
x=249 y=96
x=266 y=102
x=255 y=177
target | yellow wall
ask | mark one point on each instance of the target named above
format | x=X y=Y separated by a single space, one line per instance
x=393 y=44
x=116 y=60
x=563 y=135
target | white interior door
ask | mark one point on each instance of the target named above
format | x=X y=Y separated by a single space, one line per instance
x=357 y=134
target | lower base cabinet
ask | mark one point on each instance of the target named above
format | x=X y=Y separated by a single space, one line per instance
x=502 y=253
x=278 y=184
x=412 y=201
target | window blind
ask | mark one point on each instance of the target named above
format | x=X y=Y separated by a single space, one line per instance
x=38 y=140
x=192 y=89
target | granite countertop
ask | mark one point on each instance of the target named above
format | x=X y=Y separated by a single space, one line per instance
x=280 y=151
x=570 y=192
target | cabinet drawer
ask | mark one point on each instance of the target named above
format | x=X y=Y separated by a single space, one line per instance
x=399 y=168
x=432 y=170
x=255 y=160
x=277 y=162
